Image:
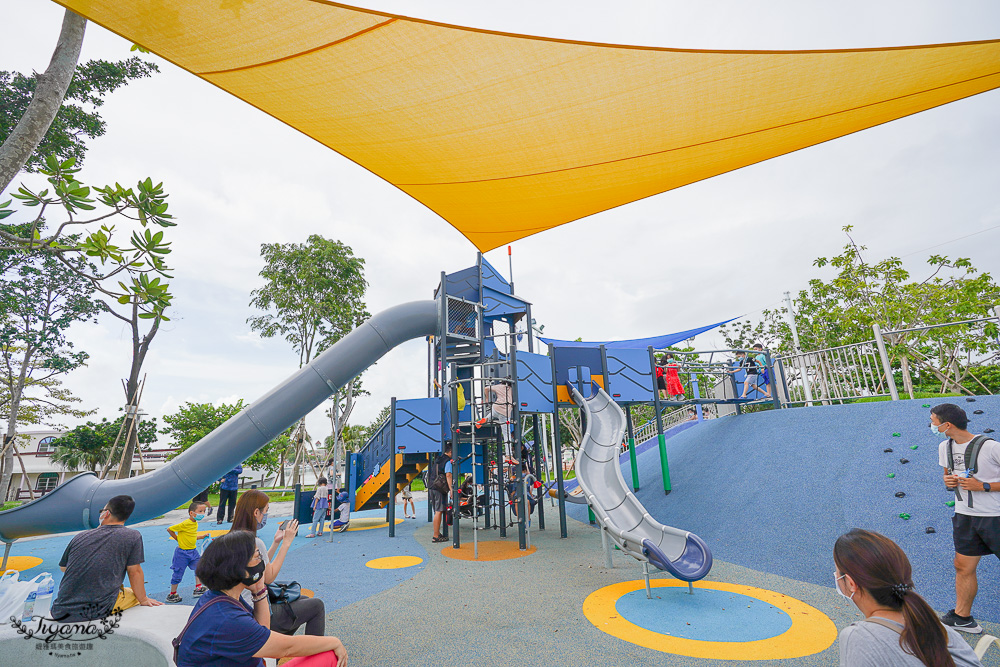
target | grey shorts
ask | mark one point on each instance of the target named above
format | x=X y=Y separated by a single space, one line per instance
x=437 y=500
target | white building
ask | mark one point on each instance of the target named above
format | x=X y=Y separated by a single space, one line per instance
x=41 y=474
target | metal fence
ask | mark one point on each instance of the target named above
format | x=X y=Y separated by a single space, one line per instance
x=865 y=369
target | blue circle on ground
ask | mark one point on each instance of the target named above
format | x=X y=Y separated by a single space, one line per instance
x=708 y=615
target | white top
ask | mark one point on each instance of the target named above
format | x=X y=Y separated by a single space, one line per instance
x=866 y=644
x=262 y=548
x=988 y=462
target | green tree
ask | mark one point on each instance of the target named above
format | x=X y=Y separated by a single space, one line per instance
x=89 y=446
x=193 y=421
x=841 y=311
x=77 y=117
x=131 y=277
x=313 y=296
x=42 y=298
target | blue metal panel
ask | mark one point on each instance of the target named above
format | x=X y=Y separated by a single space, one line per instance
x=534 y=382
x=464 y=284
x=497 y=304
x=573 y=357
x=630 y=376
x=492 y=278
x=418 y=425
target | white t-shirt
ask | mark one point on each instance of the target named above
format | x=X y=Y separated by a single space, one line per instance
x=988 y=463
x=262 y=548
x=865 y=644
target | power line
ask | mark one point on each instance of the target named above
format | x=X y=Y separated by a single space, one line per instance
x=917 y=252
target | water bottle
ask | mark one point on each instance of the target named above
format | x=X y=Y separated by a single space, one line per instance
x=43 y=597
x=29 y=607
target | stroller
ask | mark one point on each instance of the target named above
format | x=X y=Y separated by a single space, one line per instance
x=465 y=502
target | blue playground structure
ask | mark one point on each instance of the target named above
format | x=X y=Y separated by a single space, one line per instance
x=485 y=380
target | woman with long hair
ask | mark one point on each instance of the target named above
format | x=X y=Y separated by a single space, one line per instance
x=899 y=628
x=233 y=633
x=251 y=516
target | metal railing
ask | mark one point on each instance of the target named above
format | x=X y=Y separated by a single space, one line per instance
x=864 y=369
x=670 y=419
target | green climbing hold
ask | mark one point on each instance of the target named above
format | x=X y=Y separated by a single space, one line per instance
x=891 y=475
x=896 y=435
x=927 y=405
x=904 y=516
x=950 y=503
x=914 y=446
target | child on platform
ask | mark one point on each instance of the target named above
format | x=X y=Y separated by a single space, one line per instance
x=344 y=507
x=320 y=503
x=186 y=554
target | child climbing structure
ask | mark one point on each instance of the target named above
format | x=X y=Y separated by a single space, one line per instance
x=487 y=388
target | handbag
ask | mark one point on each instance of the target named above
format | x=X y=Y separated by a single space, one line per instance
x=283 y=592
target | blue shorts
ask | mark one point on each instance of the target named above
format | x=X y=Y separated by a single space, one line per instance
x=183 y=559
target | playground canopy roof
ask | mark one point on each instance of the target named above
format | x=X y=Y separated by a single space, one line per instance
x=658 y=342
x=508 y=135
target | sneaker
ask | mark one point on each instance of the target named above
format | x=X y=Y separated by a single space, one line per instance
x=174 y=597
x=199 y=590
x=342 y=528
x=962 y=623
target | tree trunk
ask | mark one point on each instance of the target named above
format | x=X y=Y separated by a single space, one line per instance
x=45 y=103
x=139 y=349
x=8 y=441
x=299 y=448
x=904 y=364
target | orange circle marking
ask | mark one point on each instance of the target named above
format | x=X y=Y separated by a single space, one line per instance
x=492 y=550
x=307 y=593
x=22 y=563
x=394 y=562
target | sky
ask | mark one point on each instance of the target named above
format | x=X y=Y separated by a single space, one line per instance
x=724 y=247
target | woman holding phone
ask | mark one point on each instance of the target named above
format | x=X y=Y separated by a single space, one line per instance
x=286 y=618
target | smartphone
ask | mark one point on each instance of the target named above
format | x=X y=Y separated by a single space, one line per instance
x=283 y=525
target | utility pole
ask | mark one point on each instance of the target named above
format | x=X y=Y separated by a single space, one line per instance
x=799 y=359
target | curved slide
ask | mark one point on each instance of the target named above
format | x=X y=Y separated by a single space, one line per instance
x=618 y=511
x=76 y=504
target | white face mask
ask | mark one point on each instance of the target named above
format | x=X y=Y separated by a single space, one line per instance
x=935 y=431
x=836 y=584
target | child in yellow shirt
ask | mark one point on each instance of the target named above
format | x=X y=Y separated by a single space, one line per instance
x=186 y=554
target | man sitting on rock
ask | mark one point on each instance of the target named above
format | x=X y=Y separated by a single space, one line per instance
x=95 y=564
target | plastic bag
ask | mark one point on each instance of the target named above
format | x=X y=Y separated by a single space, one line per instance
x=14 y=593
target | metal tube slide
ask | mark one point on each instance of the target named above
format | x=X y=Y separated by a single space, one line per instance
x=618 y=511
x=76 y=504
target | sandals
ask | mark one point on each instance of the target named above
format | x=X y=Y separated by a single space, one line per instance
x=439 y=539
x=310 y=535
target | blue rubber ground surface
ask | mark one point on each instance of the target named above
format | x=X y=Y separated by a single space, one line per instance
x=335 y=571
x=773 y=490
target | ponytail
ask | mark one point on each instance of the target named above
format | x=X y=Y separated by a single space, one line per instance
x=880 y=567
x=924 y=636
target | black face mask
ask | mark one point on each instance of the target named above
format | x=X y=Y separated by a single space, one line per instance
x=255 y=572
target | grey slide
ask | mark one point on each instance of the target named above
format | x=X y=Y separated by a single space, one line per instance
x=618 y=511
x=76 y=504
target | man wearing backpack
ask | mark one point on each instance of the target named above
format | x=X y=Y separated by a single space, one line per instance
x=439 y=483
x=972 y=468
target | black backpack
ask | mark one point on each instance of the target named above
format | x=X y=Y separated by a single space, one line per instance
x=971 y=460
x=437 y=480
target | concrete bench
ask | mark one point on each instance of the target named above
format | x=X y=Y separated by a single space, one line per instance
x=142 y=638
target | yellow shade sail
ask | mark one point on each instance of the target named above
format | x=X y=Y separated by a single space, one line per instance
x=508 y=135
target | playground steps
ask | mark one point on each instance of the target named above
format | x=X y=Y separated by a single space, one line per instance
x=374 y=493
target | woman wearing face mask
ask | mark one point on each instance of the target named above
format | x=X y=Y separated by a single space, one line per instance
x=251 y=516
x=900 y=629
x=224 y=630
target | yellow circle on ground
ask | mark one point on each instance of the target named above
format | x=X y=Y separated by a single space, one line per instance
x=491 y=550
x=306 y=592
x=811 y=632
x=213 y=533
x=393 y=562
x=22 y=563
